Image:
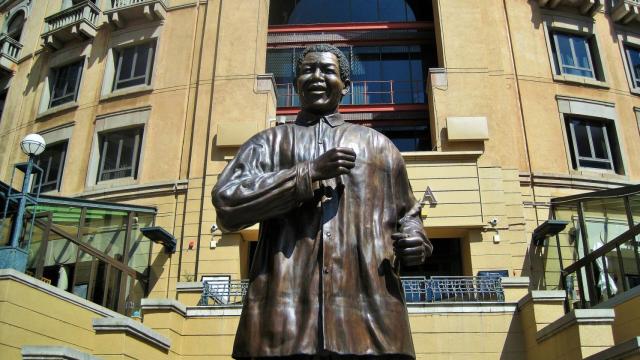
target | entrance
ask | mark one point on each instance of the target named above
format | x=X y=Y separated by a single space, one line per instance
x=446 y=260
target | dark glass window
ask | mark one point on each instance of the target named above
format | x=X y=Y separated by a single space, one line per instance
x=134 y=65
x=573 y=55
x=65 y=83
x=119 y=154
x=593 y=144
x=379 y=74
x=14 y=29
x=633 y=59
x=52 y=163
x=407 y=138
x=282 y=12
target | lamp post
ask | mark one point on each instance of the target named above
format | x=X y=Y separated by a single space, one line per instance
x=14 y=256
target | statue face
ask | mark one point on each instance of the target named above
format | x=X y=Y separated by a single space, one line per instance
x=319 y=84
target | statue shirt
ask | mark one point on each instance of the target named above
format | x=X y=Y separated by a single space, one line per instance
x=322 y=279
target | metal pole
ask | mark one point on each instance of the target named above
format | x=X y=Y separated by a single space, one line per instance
x=17 y=229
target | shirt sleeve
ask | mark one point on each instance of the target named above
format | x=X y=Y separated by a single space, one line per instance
x=250 y=189
x=408 y=208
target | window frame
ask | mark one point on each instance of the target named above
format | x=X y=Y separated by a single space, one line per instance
x=574 y=57
x=54 y=77
x=138 y=133
x=111 y=122
x=589 y=123
x=118 y=59
x=629 y=40
x=126 y=38
x=579 y=27
x=60 y=59
x=46 y=169
x=594 y=112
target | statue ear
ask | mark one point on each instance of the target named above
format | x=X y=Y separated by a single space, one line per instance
x=347 y=87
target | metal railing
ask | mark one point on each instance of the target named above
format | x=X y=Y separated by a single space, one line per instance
x=10 y=47
x=366 y=93
x=417 y=289
x=453 y=289
x=223 y=292
x=84 y=11
x=119 y=4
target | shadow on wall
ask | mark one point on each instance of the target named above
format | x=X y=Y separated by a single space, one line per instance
x=514 y=345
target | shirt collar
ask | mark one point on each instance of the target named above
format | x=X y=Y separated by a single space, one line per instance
x=306 y=118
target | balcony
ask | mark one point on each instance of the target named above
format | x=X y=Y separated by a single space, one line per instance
x=122 y=11
x=9 y=52
x=625 y=11
x=585 y=7
x=77 y=23
x=417 y=290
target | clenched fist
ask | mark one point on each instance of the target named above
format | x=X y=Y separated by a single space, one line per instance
x=410 y=250
x=333 y=163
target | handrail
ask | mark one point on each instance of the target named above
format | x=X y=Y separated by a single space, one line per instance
x=361 y=92
x=417 y=289
x=85 y=10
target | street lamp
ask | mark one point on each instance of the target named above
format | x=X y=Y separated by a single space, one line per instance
x=14 y=256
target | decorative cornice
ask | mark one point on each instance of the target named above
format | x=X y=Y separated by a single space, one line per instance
x=32 y=352
x=577 y=316
x=133 y=328
x=164 y=304
x=543 y=296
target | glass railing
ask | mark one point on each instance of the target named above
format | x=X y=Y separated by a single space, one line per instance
x=417 y=290
x=597 y=256
x=85 y=11
x=365 y=93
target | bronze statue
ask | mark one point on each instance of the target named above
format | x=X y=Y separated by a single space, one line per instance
x=335 y=209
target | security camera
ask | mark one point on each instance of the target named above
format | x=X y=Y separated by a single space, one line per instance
x=214 y=228
x=493 y=222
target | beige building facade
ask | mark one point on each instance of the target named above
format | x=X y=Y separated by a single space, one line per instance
x=511 y=115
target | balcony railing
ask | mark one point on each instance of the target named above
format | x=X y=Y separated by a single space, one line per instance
x=625 y=11
x=417 y=289
x=135 y=9
x=366 y=93
x=119 y=4
x=9 y=47
x=85 y=11
x=78 y=21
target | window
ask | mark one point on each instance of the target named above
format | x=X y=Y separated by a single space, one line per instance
x=633 y=62
x=572 y=55
x=133 y=65
x=65 y=83
x=407 y=138
x=14 y=28
x=379 y=74
x=119 y=154
x=290 y=12
x=593 y=143
x=52 y=163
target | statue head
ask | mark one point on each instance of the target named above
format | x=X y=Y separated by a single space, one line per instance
x=322 y=78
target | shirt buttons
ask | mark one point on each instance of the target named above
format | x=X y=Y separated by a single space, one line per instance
x=328 y=234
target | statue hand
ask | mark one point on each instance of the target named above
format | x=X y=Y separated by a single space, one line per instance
x=409 y=249
x=333 y=163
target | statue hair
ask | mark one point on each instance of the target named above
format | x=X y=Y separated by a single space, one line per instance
x=343 y=62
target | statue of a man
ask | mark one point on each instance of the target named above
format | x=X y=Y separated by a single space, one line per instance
x=336 y=213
